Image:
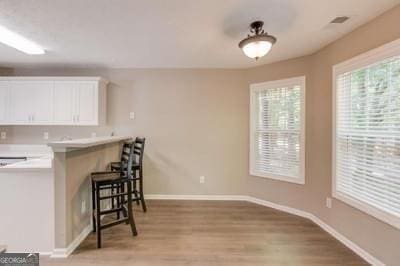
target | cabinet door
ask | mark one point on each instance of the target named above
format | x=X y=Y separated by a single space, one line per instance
x=4 y=101
x=31 y=102
x=86 y=99
x=64 y=107
x=43 y=101
x=22 y=103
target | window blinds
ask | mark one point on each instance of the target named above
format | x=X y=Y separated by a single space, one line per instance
x=277 y=131
x=368 y=135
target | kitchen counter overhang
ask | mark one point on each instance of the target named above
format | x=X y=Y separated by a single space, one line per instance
x=71 y=145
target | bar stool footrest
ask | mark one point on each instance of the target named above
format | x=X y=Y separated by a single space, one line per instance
x=116 y=195
x=111 y=211
x=110 y=224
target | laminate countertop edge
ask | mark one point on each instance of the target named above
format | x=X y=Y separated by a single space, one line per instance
x=75 y=144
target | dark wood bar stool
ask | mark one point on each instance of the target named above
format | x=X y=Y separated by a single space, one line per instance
x=125 y=153
x=137 y=171
x=114 y=186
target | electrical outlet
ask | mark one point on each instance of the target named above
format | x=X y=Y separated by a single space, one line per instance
x=3 y=135
x=132 y=115
x=202 y=179
x=93 y=135
x=329 y=203
x=46 y=135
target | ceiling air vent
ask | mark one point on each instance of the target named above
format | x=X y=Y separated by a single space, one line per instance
x=339 y=20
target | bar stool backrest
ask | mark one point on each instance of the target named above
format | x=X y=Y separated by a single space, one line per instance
x=126 y=150
x=138 y=149
x=127 y=155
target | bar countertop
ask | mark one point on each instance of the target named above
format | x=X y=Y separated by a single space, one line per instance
x=68 y=145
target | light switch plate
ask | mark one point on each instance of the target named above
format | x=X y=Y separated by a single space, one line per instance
x=132 y=115
x=46 y=135
x=3 y=135
x=93 y=135
x=202 y=179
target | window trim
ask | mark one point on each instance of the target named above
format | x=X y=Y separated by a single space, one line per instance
x=299 y=81
x=373 y=56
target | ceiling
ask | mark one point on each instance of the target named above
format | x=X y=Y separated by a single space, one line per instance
x=173 y=33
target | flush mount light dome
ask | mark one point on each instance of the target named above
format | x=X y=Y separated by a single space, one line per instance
x=258 y=44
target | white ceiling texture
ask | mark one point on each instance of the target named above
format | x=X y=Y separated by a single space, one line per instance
x=174 y=33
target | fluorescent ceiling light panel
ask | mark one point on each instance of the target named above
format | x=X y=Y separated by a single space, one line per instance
x=18 y=42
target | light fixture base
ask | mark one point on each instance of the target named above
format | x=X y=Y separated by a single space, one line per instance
x=256 y=26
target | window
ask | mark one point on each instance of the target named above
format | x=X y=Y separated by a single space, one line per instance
x=366 y=137
x=277 y=129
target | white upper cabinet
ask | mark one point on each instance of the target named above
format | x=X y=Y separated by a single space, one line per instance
x=42 y=102
x=87 y=95
x=4 y=101
x=21 y=104
x=64 y=102
x=52 y=101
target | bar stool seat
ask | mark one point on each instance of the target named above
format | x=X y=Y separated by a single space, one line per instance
x=116 y=166
x=105 y=176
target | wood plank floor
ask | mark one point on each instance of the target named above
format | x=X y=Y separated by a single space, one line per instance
x=212 y=233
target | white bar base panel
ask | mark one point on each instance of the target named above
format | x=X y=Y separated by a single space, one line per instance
x=347 y=242
x=65 y=252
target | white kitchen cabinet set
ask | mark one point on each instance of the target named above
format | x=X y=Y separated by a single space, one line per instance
x=79 y=101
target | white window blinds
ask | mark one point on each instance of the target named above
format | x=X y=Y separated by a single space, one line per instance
x=367 y=138
x=277 y=130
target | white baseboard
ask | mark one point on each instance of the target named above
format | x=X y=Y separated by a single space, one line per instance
x=45 y=253
x=41 y=253
x=65 y=252
x=279 y=207
x=195 y=197
x=347 y=242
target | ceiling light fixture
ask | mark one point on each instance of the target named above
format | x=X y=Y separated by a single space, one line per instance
x=18 y=42
x=258 y=44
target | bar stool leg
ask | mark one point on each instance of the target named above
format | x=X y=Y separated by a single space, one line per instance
x=118 y=200
x=123 y=200
x=130 y=212
x=135 y=186
x=93 y=207
x=112 y=191
x=98 y=225
x=141 y=190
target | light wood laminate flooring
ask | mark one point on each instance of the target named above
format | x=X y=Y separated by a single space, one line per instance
x=212 y=233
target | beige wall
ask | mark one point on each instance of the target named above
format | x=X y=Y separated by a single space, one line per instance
x=376 y=237
x=380 y=239
x=196 y=122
